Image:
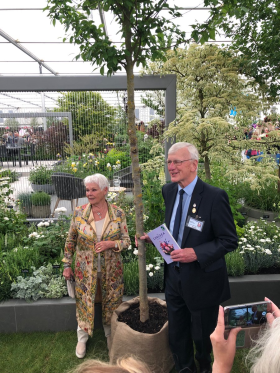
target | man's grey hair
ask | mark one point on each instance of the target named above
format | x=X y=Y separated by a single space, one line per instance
x=264 y=357
x=98 y=179
x=180 y=145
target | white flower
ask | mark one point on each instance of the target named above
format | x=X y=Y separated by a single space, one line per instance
x=157 y=268
x=42 y=236
x=258 y=247
x=135 y=252
x=151 y=274
x=252 y=227
x=41 y=224
x=34 y=234
x=262 y=240
x=268 y=240
x=151 y=265
x=279 y=250
x=47 y=224
x=6 y=218
x=60 y=209
x=243 y=239
x=267 y=251
x=129 y=247
x=249 y=248
x=241 y=252
x=108 y=165
x=15 y=249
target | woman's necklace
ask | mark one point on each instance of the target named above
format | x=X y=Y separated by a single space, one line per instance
x=99 y=213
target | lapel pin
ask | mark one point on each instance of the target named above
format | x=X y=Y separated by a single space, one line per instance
x=194 y=210
x=194 y=205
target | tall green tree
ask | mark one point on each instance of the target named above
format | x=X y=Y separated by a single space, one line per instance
x=209 y=85
x=90 y=113
x=253 y=26
x=147 y=34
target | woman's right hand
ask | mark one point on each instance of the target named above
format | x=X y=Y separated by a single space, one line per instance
x=68 y=273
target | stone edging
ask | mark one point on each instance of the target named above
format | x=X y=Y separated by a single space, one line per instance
x=17 y=315
x=251 y=212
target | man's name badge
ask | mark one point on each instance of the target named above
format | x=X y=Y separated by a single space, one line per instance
x=195 y=224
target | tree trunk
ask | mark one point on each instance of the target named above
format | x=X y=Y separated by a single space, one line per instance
x=207 y=168
x=136 y=176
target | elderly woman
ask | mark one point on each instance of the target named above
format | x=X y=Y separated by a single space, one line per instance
x=98 y=233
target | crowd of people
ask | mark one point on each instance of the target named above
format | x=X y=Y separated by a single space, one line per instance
x=196 y=282
x=18 y=138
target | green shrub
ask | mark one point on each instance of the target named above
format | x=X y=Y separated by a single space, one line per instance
x=131 y=277
x=40 y=199
x=24 y=201
x=43 y=284
x=235 y=263
x=266 y=198
x=41 y=175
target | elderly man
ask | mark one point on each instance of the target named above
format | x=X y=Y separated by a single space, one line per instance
x=200 y=219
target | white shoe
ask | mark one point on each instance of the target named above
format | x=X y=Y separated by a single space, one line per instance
x=81 y=350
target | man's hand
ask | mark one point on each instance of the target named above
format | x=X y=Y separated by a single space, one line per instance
x=186 y=255
x=145 y=238
x=223 y=349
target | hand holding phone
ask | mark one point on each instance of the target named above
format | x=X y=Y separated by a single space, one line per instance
x=247 y=315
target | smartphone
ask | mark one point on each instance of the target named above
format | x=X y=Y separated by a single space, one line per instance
x=248 y=315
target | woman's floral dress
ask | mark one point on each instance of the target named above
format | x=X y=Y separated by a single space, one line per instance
x=82 y=239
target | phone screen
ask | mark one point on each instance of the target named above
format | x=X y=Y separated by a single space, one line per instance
x=246 y=315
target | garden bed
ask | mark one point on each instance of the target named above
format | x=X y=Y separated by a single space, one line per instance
x=59 y=314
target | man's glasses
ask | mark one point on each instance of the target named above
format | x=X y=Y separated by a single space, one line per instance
x=176 y=162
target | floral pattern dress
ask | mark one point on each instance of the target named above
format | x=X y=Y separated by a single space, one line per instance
x=82 y=239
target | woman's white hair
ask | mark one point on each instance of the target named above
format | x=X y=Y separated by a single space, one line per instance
x=98 y=179
x=264 y=357
x=180 y=145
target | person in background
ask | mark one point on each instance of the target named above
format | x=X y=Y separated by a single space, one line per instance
x=98 y=233
x=264 y=356
x=123 y=365
x=200 y=219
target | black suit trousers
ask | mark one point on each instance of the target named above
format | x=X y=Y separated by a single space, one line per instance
x=187 y=327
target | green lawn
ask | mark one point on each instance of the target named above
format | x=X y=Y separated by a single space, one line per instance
x=55 y=352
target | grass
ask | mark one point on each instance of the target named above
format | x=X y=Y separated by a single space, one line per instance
x=48 y=352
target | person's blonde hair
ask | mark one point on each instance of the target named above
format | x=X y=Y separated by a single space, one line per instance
x=264 y=357
x=123 y=365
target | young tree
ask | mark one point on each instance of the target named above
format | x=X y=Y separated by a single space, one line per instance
x=147 y=35
x=208 y=86
x=253 y=26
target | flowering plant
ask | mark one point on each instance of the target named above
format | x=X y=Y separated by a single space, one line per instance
x=49 y=237
x=260 y=246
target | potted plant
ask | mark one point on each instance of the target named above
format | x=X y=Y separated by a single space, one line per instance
x=25 y=204
x=41 y=204
x=41 y=179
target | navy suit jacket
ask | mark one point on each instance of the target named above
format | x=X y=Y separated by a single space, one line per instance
x=205 y=281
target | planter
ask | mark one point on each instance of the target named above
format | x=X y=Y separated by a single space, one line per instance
x=41 y=211
x=251 y=212
x=47 y=188
x=151 y=348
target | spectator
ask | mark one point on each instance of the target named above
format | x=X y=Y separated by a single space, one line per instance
x=123 y=365
x=264 y=357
